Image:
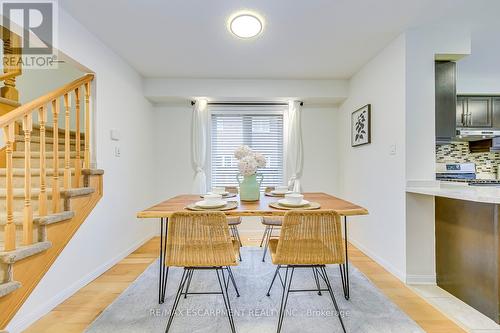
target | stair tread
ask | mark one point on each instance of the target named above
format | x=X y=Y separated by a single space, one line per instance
x=22 y=252
x=50 y=128
x=19 y=192
x=49 y=154
x=54 y=218
x=73 y=192
x=48 y=139
x=8 y=287
x=34 y=171
x=18 y=218
x=61 y=130
x=93 y=172
x=42 y=220
x=76 y=192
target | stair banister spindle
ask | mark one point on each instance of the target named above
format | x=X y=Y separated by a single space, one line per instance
x=67 y=157
x=10 y=228
x=28 y=210
x=42 y=198
x=55 y=157
x=87 y=126
x=78 y=163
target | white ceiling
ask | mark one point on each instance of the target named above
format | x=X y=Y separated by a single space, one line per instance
x=312 y=39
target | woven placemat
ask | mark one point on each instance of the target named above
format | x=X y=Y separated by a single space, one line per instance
x=230 y=195
x=311 y=205
x=230 y=205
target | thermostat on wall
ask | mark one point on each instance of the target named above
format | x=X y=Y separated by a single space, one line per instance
x=115 y=135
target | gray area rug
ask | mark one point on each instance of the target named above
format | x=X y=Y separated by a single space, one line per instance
x=137 y=310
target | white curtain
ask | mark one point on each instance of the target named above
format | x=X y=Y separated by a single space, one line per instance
x=295 y=156
x=199 y=145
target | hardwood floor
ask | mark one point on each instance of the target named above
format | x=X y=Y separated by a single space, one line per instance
x=78 y=311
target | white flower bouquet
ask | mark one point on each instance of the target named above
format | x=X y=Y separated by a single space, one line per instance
x=249 y=161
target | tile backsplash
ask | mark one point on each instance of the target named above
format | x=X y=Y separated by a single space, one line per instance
x=458 y=152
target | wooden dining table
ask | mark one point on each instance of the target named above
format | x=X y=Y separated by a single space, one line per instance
x=165 y=209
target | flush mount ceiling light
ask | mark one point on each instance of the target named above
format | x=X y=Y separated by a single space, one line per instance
x=245 y=25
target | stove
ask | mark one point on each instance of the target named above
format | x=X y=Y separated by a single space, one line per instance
x=462 y=172
x=484 y=182
x=456 y=171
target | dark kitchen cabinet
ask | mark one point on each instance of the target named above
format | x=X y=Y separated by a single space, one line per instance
x=476 y=112
x=446 y=100
x=461 y=111
x=496 y=112
x=479 y=111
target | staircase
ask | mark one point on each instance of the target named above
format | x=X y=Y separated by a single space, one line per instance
x=47 y=188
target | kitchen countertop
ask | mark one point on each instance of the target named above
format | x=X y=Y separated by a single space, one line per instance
x=461 y=191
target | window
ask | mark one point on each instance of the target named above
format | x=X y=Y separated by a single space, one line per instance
x=261 y=130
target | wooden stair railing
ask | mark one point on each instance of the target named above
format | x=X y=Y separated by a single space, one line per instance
x=12 y=67
x=47 y=185
x=25 y=115
x=9 y=95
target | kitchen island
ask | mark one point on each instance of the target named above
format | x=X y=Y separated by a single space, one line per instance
x=467 y=235
x=455 y=190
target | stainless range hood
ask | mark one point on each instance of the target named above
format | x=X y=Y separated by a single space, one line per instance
x=470 y=134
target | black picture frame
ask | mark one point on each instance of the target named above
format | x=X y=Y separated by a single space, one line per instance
x=361 y=126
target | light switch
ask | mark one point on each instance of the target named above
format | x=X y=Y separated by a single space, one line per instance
x=115 y=135
x=392 y=150
x=117 y=151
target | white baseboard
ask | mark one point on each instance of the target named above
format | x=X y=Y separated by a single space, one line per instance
x=23 y=323
x=421 y=279
x=382 y=262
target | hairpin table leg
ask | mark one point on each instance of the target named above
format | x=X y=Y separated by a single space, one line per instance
x=162 y=283
x=344 y=268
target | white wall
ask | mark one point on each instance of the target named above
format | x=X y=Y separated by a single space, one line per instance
x=399 y=83
x=174 y=171
x=369 y=175
x=37 y=82
x=321 y=155
x=317 y=92
x=111 y=231
x=479 y=73
x=172 y=136
x=422 y=46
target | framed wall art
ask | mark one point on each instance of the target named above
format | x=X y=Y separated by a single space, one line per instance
x=361 y=126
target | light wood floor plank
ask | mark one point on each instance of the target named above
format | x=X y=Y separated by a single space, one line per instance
x=78 y=311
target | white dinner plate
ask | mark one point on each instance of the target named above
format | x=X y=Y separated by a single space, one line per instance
x=215 y=204
x=279 y=192
x=225 y=194
x=286 y=203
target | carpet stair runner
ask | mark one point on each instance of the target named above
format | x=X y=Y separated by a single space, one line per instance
x=8 y=284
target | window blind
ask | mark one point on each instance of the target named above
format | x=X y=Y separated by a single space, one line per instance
x=263 y=132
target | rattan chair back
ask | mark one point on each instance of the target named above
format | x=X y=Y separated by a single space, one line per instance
x=199 y=239
x=310 y=238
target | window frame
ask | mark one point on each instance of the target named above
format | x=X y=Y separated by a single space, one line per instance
x=246 y=110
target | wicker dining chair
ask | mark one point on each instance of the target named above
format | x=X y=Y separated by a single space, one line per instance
x=234 y=221
x=271 y=223
x=201 y=241
x=309 y=239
